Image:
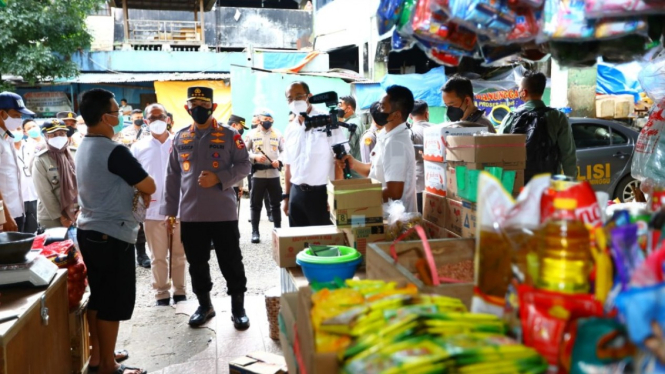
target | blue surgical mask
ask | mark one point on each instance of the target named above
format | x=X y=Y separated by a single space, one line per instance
x=117 y=128
x=34 y=133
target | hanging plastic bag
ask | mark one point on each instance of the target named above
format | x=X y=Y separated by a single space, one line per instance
x=388 y=14
x=649 y=153
x=622 y=8
x=652 y=77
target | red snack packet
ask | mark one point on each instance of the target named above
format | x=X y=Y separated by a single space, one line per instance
x=587 y=210
x=546 y=314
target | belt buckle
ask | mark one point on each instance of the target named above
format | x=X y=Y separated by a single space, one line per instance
x=305 y=187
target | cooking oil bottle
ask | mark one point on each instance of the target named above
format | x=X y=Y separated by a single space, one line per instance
x=564 y=254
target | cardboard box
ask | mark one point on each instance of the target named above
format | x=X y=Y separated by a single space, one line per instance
x=312 y=362
x=288 y=312
x=433 y=231
x=258 y=363
x=360 y=237
x=452 y=235
x=355 y=202
x=434 y=140
x=452 y=177
x=435 y=178
x=434 y=209
x=380 y=265
x=468 y=219
x=289 y=354
x=454 y=216
x=508 y=148
x=292 y=279
x=287 y=242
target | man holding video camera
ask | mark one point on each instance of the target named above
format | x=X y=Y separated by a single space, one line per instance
x=393 y=161
x=309 y=162
x=265 y=145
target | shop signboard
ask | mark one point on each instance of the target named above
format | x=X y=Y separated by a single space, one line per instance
x=47 y=104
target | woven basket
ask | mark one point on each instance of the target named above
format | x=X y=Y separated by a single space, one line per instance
x=272 y=308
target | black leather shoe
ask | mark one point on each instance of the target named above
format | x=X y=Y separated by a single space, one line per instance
x=164 y=302
x=201 y=315
x=256 y=238
x=143 y=260
x=179 y=298
x=238 y=316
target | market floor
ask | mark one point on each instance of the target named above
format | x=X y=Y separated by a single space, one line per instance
x=160 y=340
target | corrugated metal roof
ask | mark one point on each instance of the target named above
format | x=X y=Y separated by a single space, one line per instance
x=143 y=77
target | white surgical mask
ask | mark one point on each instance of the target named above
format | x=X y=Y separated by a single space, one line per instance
x=298 y=106
x=58 y=142
x=18 y=136
x=12 y=123
x=157 y=127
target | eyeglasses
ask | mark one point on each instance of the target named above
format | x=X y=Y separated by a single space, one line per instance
x=298 y=97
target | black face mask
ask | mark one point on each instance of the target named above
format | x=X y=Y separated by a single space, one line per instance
x=200 y=114
x=138 y=122
x=454 y=114
x=381 y=118
x=340 y=113
x=241 y=131
x=71 y=131
x=266 y=124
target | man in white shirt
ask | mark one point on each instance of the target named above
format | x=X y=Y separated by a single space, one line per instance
x=393 y=159
x=309 y=163
x=11 y=109
x=25 y=155
x=153 y=154
x=125 y=108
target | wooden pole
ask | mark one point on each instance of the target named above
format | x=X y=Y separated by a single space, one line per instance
x=125 y=13
x=203 y=29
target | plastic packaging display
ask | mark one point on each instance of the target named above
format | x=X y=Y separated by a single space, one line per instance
x=652 y=77
x=388 y=14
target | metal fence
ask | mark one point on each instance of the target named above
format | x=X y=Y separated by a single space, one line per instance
x=160 y=32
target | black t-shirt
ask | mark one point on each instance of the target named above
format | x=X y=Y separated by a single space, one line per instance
x=122 y=163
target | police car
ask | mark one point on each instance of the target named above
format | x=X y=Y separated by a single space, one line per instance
x=605 y=154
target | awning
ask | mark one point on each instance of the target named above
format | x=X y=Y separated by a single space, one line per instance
x=146 y=77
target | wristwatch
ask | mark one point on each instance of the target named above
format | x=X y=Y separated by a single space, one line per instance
x=285 y=196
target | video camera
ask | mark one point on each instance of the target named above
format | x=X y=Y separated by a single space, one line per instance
x=326 y=122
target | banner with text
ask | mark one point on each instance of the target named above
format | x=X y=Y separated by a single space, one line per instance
x=47 y=104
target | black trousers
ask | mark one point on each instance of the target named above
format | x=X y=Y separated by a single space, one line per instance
x=308 y=206
x=266 y=197
x=265 y=187
x=419 y=200
x=140 y=240
x=196 y=237
x=20 y=222
x=30 y=224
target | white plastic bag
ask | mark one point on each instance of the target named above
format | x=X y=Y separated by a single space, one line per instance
x=652 y=76
x=649 y=153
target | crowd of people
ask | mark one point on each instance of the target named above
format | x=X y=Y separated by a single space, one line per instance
x=179 y=192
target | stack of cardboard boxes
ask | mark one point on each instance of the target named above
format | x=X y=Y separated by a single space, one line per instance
x=453 y=160
x=356 y=208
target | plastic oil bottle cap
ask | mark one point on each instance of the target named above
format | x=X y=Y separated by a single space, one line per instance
x=565 y=204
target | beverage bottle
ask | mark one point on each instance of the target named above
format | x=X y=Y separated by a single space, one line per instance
x=564 y=253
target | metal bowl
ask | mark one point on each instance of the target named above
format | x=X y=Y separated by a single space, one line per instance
x=14 y=246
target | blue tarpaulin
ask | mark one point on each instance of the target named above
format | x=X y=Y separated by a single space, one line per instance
x=425 y=87
x=619 y=79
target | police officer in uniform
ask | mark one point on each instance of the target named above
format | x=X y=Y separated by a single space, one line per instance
x=69 y=119
x=238 y=123
x=368 y=140
x=265 y=144
x=206 y=161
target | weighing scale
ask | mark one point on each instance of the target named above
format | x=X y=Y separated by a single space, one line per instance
x=36 y=270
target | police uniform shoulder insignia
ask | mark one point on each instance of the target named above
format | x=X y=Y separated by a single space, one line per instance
x=368 y=140
x=238 y=140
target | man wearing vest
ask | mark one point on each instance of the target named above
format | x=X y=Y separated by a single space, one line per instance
x=206 y=161
x=531 y=92
x=265 y=145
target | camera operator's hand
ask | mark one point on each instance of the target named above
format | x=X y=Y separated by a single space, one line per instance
x=261 y=159
x=352 y=161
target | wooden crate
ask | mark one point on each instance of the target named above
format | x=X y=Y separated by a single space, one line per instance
x=79 y=336
x=380 y=264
